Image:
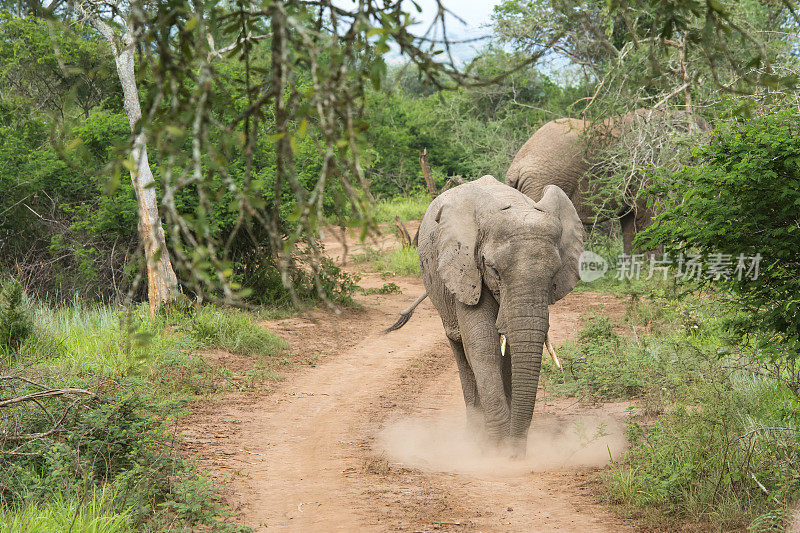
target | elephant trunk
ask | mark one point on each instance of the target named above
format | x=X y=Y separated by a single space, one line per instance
x=527 y=325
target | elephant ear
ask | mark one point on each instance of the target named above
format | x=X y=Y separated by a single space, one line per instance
x=570 y=246
x=455 y=240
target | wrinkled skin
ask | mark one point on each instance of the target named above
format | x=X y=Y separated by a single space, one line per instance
x=559 y=154
x=492 y=261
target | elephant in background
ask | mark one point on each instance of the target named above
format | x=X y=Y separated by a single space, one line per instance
x=560 y=153
x=492 y=261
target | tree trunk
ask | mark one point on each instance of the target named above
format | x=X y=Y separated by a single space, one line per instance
x=161 y=280
x=426 y=173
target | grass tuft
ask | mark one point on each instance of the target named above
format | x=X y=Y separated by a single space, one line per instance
x=233 y=330
x=63 y=513
x=83 y=339
x=401 y=262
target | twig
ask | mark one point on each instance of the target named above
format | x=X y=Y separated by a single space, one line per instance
x=21 y=378
x=32 y=436
x=756 y=430
x=50 y=393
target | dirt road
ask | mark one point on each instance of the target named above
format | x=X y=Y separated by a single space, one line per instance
x=370 y=438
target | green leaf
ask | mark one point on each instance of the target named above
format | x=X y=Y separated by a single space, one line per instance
x=191 y=24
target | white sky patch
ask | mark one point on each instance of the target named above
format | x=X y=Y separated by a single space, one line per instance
x=475 y=18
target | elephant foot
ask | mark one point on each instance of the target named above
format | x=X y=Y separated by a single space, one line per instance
x=518 y=449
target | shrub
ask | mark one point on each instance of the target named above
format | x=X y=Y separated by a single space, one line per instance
x=719 y=440
x=260 y=276
x=742 y=197
x=16 y=323
x=117 y=440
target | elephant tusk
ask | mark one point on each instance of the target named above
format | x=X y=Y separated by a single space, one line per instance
x=551 y=351
x=503 y=345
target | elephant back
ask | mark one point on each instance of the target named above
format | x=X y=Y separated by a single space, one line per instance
x=554 y=155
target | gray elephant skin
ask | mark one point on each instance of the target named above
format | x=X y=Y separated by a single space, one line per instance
x=558 y=153
x=492 y=261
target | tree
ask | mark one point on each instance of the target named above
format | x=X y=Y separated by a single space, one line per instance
x=275 y=145
x=688 y=56
x=162 y=284
x=647 y=53
x=305 y=67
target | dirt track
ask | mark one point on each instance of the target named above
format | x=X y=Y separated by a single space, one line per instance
x=370 y=438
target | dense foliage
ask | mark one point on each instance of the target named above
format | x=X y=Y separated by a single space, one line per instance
x=741 y=198
x=68 y=216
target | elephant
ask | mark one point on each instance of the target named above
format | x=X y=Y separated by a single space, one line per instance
x=559 y=153
x=492 y=261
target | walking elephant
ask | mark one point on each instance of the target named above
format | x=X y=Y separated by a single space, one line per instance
x=492 y=261
x=559 y=153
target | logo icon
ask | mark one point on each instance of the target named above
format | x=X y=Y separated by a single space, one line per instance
x=591 y=266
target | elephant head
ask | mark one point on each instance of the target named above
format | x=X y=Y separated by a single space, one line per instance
x=525 y=253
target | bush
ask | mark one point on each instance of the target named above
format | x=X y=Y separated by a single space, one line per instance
x=16 y=323
x=718 y=442
x=598 y=366
x=261 y=277
x=741 y=200
x=709 y=463
x=115 y=442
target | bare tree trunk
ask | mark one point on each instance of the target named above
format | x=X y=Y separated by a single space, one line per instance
x=161 y=280
x=426 y=173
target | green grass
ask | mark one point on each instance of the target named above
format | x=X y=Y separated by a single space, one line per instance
x=233 y=330
x=96 y=340
x=398 y=261
x=86 y=339
x=142 y=370
x=67 y=514
x=401 y=262
x=407 y=208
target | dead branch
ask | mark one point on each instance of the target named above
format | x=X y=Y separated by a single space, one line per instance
x=49 y=393
x=453 y=181
x=426 y=173
x=32 y=436
x=405 y=238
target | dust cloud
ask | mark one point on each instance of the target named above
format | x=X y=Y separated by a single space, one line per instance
x=555 y=442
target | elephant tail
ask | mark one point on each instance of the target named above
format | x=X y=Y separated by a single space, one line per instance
x=405 y=315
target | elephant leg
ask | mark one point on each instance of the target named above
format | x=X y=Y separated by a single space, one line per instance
x=628 y=223
x=482 y=349
x=634 y=222
x=468 y=387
